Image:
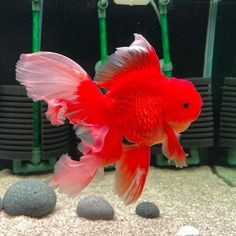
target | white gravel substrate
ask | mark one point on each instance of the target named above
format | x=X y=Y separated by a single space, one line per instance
x=190 y=196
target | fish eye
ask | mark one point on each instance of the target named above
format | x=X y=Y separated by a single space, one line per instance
x=186 y=105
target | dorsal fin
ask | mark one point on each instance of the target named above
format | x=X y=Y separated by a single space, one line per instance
x=140 y=57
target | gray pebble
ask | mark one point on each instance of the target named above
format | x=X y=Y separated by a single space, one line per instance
x=95 y=208
x=147 y=210
x=29 y=197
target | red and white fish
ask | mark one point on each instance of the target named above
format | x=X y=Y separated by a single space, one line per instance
x=140 y=104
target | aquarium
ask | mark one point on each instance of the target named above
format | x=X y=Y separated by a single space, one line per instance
x=118 y=117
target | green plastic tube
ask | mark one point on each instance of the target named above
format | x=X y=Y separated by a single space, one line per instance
x=36 y=164
x=167 y=68
x=36 y=38
x=102 y=6
x=210 y=39
x=103 y=39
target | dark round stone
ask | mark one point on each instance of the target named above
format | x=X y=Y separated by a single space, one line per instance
x=147 y=210
x=95 y=208
x=109 y=168
x=29 y=197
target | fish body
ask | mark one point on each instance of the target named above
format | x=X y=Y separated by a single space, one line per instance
x=141 y=105
x=140 y=108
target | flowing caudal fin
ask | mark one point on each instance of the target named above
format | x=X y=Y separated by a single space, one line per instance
x=48 y=75
x=71 y=176
x=133 y=61
x=64 y=85
x=99 y=146
x=132 y=172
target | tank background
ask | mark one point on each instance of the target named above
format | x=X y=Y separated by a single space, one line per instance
x=224 y=65
x=71 y=28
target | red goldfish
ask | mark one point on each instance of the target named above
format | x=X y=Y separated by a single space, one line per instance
x=140 y=104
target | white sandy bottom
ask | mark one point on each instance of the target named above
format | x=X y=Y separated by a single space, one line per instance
x=191 y=196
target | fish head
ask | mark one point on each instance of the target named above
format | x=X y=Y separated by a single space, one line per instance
x=182 y=104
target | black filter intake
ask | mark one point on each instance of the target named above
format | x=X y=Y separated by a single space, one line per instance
x=200 y=134
x=227 y=131
x=16 y=127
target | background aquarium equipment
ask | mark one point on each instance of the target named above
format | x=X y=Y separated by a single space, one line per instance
x=201 y=34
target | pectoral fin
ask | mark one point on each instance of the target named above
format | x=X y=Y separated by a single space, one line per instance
x=172 y=149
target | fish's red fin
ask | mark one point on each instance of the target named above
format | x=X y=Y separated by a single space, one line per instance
x=105 y=141
x=90 y=106
x=64 y=85
x=172 y=149
x=72 y=176
x=56 y=111
x=132 y=172
x=92 y=138
x=135 y=60
x=48 y=75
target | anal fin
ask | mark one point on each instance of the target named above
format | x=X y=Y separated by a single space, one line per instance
x=132 y=171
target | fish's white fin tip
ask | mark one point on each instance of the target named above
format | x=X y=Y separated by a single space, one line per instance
x=181 y=164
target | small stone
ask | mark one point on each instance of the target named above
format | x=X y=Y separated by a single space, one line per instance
x=109 y=168
x=188 y=231
x=95 y=208
x=147 y=210
x=0 y=203
x=29 y=197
